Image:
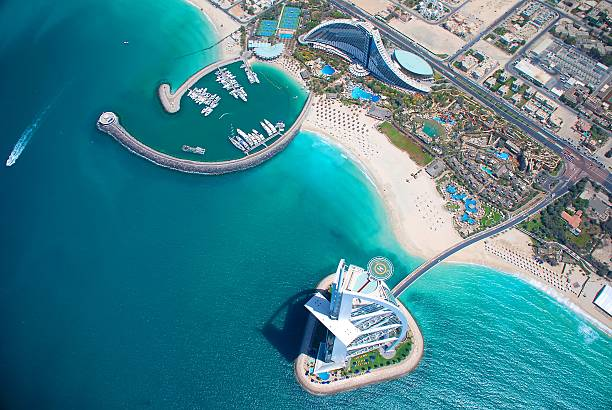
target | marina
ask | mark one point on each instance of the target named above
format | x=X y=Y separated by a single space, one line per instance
x=266 y=100
x=201 y=96
x=247 y=142
x=251 y=75
x=228 y=82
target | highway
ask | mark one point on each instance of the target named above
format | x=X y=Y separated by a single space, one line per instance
x=488 y=99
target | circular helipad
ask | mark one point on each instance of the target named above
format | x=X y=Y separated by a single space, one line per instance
x=380 y=268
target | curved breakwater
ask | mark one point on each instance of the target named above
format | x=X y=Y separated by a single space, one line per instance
x=171 y=101
x=110 y=124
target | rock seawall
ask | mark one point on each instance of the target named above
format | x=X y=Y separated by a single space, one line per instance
x=110 y=124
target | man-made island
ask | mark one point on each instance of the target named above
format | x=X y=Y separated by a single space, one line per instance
x=358 y=333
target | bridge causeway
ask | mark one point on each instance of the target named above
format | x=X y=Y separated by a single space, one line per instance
x=561 y=190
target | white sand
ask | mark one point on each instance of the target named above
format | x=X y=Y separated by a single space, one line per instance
x=418 y=217
x=416 y=209
x=487 y=10
x=373 y=7
x=224 y=25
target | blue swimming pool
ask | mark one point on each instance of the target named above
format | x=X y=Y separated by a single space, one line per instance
x=465 y=218
x=328 y=70
x=502 y=155
x=487 y=170
x=358 y=93
x=324 y=376
x=443 y=121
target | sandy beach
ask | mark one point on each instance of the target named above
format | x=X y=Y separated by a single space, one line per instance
x=224 y=25
x=422 y=224
x=414 y=206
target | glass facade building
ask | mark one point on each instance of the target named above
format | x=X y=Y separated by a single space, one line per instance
x=360 y=42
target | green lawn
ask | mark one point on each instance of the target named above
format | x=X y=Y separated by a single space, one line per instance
x=581 y=240
x=374 y=360
x=491 y=217
x=533 y=225
x=404 y=143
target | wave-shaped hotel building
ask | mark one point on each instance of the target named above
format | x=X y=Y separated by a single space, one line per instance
x=359 y=42
x=362 y=315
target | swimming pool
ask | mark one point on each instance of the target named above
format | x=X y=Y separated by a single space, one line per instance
x=328 y=70
x=430 y=129
x=502 y=155
x=487 y=170
x=324 y=376
x=358 y=93
x=443 y=121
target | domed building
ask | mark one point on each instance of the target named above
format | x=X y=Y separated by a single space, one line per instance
x=414 y=65
x=360 y=44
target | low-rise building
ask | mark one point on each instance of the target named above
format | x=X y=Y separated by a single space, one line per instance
x=379 y=113
x=435 y=168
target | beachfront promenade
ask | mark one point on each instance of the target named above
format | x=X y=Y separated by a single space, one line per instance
x=561 y=189
x=110 y=124
x=171 y=101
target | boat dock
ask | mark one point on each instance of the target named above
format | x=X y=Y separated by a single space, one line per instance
x=228 y=82
x=249 y=142
x=109 y=123
x=171 y=101
x=251 y=75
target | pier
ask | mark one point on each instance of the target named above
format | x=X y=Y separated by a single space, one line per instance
x=109 y=123
x=171 y=101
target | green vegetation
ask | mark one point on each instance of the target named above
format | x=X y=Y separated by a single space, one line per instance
x=403 y=142
x=500 y=31
x=550 y=226
x=491 y=217
x=452 y=206
x=374 y=360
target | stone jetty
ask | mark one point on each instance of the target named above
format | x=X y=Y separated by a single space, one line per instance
x=171 y=101
x=110 y=124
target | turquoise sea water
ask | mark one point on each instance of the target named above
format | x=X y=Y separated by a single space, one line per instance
x=274 y=98
x=124 y=285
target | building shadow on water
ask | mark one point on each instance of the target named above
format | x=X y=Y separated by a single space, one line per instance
x=285 y=328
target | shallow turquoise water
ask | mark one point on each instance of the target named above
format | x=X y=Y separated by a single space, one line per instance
x=274 y=98
x=125 y=285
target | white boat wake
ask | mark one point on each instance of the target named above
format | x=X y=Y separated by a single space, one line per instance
x=25 y=138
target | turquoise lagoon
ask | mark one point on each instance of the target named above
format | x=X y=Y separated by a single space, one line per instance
x=125 y=285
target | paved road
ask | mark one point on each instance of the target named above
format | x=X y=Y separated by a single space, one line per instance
x=486 y=31
x=510 y=223
x=488 y=99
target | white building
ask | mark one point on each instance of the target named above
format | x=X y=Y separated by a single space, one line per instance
x=362 y=316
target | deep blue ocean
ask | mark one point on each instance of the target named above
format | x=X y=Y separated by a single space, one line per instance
x=128 y=286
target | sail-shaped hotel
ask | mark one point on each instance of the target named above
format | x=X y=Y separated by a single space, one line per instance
x=359 y=42
x=362 y=315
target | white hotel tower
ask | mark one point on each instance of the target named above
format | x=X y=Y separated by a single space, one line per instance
x=363 y=315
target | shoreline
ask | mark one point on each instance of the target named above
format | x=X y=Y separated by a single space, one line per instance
x=222 y=24
x=414 y=240
x=409 y=223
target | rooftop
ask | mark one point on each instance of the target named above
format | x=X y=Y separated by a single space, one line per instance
x=413 y=63
x=269 y=51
